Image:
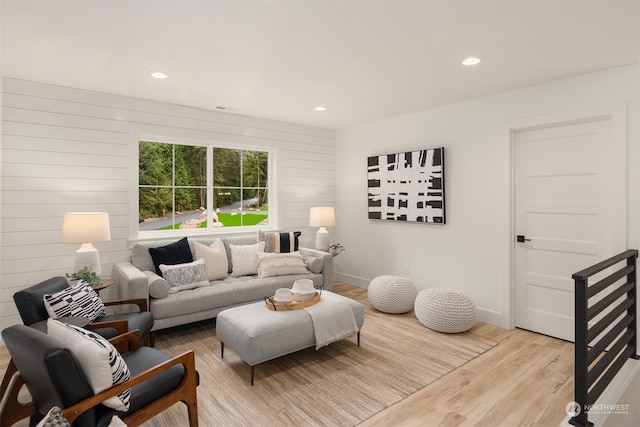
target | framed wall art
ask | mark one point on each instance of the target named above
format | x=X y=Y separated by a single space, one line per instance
x=407 y=186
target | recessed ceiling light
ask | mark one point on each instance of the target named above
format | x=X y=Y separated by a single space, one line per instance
x=320 y=108
x=158 y=74
x=471 y=61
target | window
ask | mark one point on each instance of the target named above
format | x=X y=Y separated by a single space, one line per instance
x=198 y=186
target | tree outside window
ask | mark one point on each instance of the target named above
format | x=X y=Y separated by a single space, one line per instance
x=174 y=187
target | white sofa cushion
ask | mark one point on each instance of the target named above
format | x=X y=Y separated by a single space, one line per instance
x=245 y=259
x=280 y=264
x=215 y=259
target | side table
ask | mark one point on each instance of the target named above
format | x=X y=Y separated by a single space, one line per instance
x=105 y=283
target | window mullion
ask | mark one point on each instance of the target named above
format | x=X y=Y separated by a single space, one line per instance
x=209 y=184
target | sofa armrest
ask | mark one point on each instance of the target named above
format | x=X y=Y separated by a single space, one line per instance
x=327 y=265
x=131 y=283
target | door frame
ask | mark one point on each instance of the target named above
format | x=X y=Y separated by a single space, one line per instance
x=616 y=113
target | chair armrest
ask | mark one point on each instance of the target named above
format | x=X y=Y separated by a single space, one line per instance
x=140 y=302
x=132 y=339
x=327 y=265
x=187 y=359
x=121 y=326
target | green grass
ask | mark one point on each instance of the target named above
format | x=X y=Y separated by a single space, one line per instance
x=229 y=220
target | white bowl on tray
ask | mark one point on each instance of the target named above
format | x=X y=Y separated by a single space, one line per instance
x=303 y=290
x=283 y=295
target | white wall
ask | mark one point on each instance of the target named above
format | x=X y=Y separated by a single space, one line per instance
x=470 y=252
x=66 y=149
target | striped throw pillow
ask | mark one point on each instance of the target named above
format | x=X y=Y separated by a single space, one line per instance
x=103 y=366
x=280 y=242
x=79 y=300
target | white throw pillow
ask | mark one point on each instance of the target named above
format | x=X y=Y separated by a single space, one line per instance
x=189 y=275
x=245 y=259
x=280 y=264
x=100 y=361
x=78 y=300
x=215 y=259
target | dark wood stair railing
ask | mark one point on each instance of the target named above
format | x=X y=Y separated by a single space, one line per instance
x=599 y=358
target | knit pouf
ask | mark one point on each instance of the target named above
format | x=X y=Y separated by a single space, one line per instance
x=445 y=310
x=392 y=294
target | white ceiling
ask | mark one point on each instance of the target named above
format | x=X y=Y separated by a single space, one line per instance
x=363 y=60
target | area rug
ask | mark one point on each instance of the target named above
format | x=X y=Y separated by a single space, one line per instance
x=339 y=385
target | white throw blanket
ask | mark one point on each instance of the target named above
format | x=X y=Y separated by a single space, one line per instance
x=332 y=320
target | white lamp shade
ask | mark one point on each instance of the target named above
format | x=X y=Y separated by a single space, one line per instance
x=86 y=227
x=322 y=217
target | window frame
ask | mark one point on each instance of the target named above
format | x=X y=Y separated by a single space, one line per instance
x=136 y=234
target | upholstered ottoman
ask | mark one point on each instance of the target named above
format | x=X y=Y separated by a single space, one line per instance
x=445 y=310
x=392 y=294
x=258 y=334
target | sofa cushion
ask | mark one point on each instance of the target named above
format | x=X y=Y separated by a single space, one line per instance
x=237 y=240
x=77 y=300
x=185 y=276
x=224 y=293
x=174 y=253
x=158 y=286
x=245 y=259
x=215 y=259
x=314 y=265
x=279 y=242
x=280 y=264
x=100 y=361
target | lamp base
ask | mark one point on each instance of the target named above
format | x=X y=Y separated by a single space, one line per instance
x=87 y=256
x=322 y=239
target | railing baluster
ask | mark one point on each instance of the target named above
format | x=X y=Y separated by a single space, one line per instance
x=586 y=393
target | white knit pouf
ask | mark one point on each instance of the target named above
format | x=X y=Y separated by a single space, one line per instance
x=392 y=294
x=445 y=310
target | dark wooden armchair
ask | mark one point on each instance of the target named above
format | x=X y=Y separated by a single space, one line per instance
x=33 y=312
x=54 y=377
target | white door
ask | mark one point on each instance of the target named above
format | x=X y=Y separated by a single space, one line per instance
x=565 y=210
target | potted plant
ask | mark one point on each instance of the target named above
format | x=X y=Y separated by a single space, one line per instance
x=87 y=275
x=335 y=249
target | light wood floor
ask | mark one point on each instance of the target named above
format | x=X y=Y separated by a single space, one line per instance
x=527 y=379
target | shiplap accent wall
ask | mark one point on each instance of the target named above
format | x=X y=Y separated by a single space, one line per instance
x=66 y=149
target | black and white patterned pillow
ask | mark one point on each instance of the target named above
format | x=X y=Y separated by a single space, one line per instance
x=78 y=300
x=54 y=418
x=103 y=366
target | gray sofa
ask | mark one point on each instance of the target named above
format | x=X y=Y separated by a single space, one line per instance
x=136 y=279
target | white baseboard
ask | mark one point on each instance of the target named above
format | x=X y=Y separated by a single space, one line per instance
x=360 y=282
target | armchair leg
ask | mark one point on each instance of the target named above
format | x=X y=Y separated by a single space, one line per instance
x=12 y=410
x=8 y=374
x=151 y=339
x=192 y=409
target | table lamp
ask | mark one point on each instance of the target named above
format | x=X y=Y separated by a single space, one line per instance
x=86 y=228
x=322 y=217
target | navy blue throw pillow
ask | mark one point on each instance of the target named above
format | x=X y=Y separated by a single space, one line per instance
x=174 y=253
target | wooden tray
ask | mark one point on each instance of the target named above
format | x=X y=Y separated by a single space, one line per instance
x=293 y=305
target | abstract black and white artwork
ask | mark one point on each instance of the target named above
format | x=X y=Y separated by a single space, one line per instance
x=407 y=186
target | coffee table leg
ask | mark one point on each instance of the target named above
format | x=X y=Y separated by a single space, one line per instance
x=221 y=350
